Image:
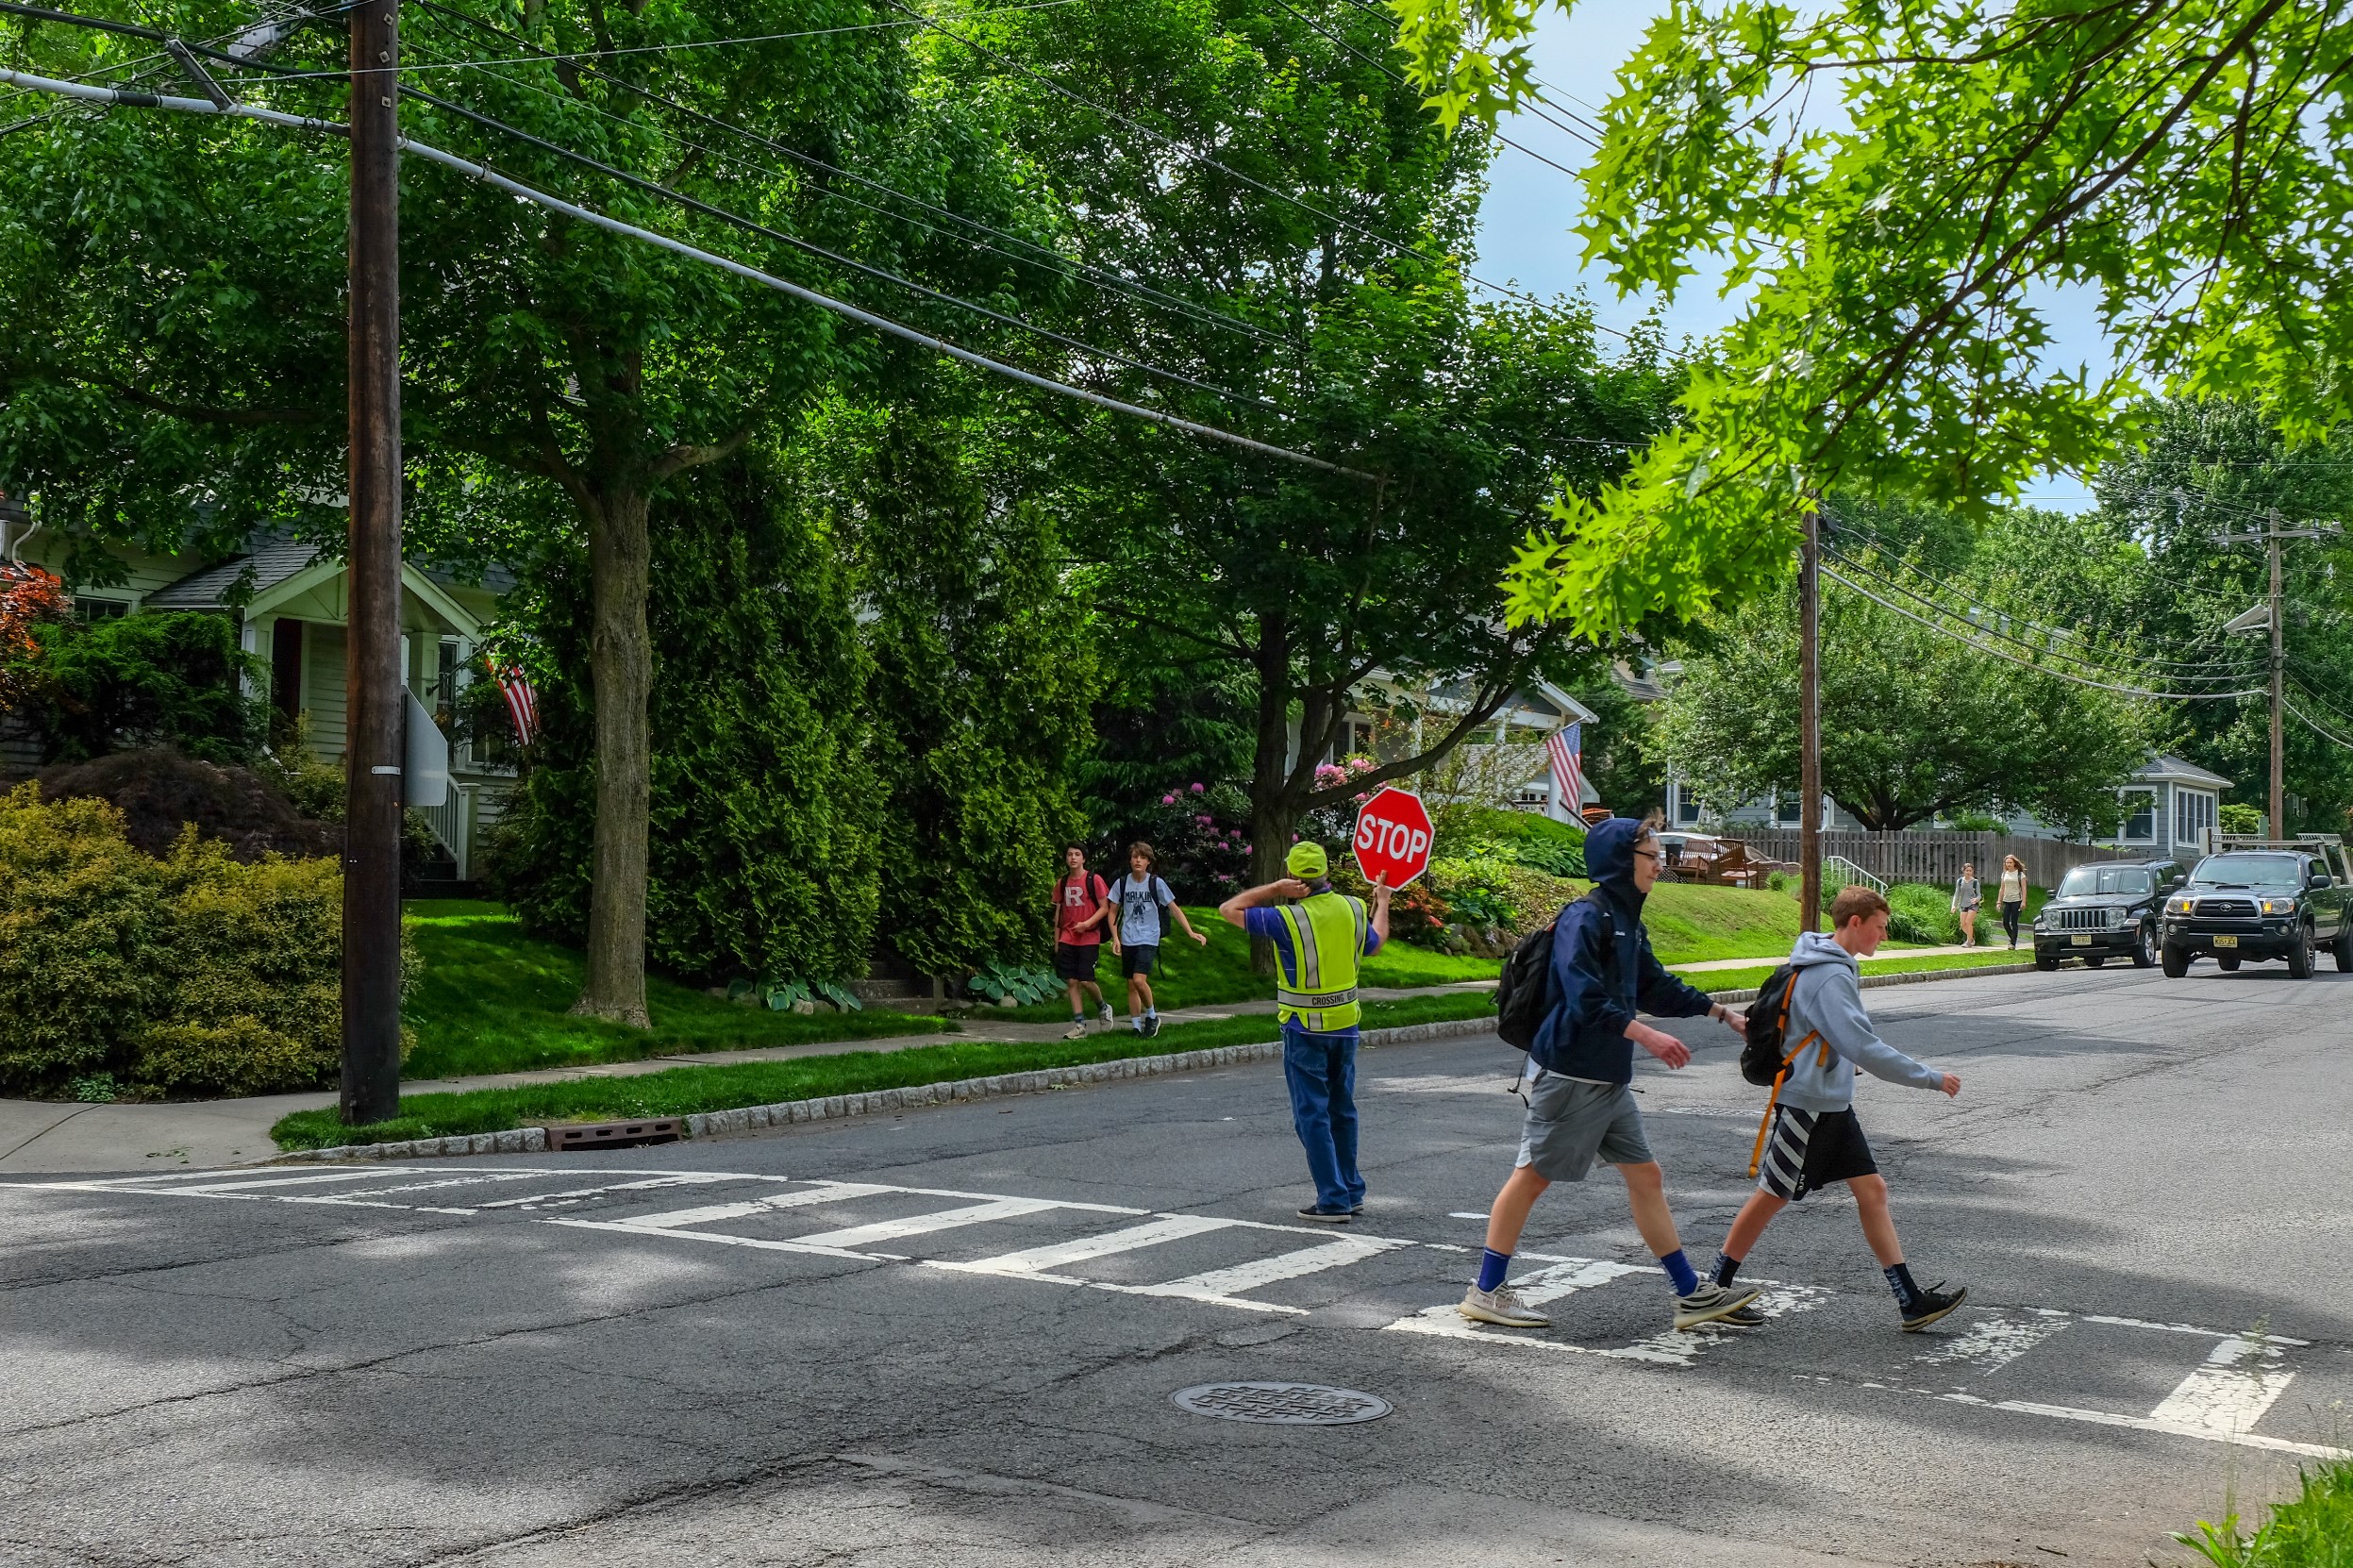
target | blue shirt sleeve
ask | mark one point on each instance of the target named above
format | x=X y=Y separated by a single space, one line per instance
x=1265 y=921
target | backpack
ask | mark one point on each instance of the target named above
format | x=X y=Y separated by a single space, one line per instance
x=1153 y=888
x=1767 y=1058
x=1524 y=995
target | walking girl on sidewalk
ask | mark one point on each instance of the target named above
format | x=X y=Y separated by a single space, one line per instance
x=2012 y=895
x=1967 y=897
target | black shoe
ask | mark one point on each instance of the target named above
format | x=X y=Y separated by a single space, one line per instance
x=1326 y=1216
x=1931 y=1305
x=1151 y=1024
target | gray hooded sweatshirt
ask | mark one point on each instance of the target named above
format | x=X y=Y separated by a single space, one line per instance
x=1827 y=996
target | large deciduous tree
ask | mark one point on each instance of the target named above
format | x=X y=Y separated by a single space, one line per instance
x=1898 y=187
x=174 y=325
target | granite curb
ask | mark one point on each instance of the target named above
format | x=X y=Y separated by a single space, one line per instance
x=760 y=1118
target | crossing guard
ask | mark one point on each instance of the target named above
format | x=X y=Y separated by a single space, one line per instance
x=1321 y=938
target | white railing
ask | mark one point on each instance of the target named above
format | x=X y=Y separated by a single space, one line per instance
x=1838 y=872
x=452 y=822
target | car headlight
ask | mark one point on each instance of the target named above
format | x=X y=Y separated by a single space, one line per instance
x=2280 y=906
x=2120 y=917
x=2176 y=906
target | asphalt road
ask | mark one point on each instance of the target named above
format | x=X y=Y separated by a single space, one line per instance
x=952 y=1337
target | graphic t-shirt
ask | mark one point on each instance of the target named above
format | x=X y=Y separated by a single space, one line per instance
x=1138 y=924
x=1080 y=896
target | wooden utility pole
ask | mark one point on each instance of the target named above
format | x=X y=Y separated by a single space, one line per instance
x=2278 y=661
x=1810 y=720
x=371 y=1089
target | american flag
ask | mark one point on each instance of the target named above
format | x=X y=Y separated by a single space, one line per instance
x=1566 y=747
x=522 y=702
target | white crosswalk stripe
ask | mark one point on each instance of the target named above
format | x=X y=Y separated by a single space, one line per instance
x=2235 y=1380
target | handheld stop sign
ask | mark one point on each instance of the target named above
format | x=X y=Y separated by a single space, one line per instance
x=1393 y=835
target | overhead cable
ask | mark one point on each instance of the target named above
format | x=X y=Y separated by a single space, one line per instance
x=555 y=204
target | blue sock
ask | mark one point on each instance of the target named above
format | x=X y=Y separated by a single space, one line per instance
x=1899 y=1280
x=1492 y=1266
x=1680 y=1270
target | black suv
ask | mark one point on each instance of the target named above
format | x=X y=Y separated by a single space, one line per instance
x=2109 y=910
x=2282 y=900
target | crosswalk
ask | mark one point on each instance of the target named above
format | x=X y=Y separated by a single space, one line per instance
x=2027 y=1360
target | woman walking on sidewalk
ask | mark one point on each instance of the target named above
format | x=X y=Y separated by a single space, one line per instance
x=2012 y=895
x=1966 y=899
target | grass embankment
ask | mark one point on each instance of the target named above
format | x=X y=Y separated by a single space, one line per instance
x=685 y=1090
x=1191 y=976
x=1888 y=962
x=2314 y=1531
x=493 y=1000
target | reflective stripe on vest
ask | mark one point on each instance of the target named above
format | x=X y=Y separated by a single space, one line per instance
x=1327 y=931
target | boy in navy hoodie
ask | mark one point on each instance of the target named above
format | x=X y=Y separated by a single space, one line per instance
x=1581 y=1105
x=1816 y=1138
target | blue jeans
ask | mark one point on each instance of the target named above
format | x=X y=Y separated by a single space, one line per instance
x=1321 y=1071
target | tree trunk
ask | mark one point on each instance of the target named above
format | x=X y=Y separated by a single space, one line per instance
x=1271 y=815
x=621 y=671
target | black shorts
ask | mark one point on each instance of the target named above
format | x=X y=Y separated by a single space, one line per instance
x=1811 y=1149
x=1137 y=957
x=1075 y=960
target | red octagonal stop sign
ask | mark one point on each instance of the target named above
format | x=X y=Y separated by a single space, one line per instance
x=1393 y=835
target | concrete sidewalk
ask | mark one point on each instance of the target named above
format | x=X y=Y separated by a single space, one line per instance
x=53 y=1136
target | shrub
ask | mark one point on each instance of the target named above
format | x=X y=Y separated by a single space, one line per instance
x=2232 y=817
x=171 y=680
x=160 y=791
x=1916 y=912
x=1199 y=838
x=192 y=975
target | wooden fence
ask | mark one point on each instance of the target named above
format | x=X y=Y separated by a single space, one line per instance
x=1937 y=857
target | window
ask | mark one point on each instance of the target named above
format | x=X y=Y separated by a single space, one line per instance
x=1789 y=810
x=1686 y=806
x=2140 y=815
x=101 y=609
x=2106 y=881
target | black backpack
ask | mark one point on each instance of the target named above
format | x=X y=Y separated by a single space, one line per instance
x=1764 y=1058
x=1524 y=995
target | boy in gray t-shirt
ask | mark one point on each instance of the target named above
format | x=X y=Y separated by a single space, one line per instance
x=1142 y=898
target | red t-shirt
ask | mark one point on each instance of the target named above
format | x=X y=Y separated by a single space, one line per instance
x=1077 y=898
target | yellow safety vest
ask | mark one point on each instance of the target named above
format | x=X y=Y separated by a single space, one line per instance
x=1317 y=988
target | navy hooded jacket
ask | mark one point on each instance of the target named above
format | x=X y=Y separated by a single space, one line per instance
x=1603 y=970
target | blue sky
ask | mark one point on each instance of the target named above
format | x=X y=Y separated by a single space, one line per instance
x=1524 y=232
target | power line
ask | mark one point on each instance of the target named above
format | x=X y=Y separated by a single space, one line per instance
x=753 y=227
x=1100 y=276
x=2000 y=652
x=556 y=204
x=1402 y=246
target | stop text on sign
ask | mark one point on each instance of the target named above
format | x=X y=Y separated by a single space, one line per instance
x=1392 y=837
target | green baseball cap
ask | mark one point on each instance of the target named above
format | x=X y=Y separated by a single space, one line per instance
x=1307 y=861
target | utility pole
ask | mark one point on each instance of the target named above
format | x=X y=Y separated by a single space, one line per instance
x=1809 y=719
x=371 y=1087
x=2274 y=612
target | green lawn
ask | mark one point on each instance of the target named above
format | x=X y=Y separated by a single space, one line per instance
x=684 y=1090
x=1191 y=976
x=1888 y=962
x=493 y=1000
x=2314 y=1531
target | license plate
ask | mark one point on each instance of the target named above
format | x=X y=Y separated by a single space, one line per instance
x=2080 y=940
x=2226 y=941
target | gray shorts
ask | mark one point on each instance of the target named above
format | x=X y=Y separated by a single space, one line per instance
x=1571 y=1122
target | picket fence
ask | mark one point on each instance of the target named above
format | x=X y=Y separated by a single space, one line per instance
x=1937 y=857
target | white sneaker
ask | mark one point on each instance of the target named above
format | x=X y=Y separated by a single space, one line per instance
x=1077 y=1031
x=1108 y=1016
x=1712 y=1302
x=1501 y=1305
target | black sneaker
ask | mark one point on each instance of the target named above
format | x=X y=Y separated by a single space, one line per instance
x=1151 y=1024
x=1930 y=1305
x=1743 y=1317
x=1326 y=1216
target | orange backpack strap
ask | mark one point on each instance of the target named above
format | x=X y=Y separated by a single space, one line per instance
x=1756 y=1155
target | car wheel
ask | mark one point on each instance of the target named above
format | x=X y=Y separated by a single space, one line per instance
x=2144 y=951
x=2177 y=963
x=2046 y=961
x=2229 y=963
x=2300 y=955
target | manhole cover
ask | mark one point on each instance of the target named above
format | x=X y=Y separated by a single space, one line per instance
x=1281 y=1404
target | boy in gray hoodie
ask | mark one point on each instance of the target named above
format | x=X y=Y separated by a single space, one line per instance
x=1815 y=1138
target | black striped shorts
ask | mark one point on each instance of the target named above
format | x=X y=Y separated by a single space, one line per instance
x=1811 y=1149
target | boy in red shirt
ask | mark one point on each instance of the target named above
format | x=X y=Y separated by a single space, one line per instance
x=1082 y=911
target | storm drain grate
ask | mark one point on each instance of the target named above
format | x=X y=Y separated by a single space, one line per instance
x=615 y=1135
x=1281 y=1404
